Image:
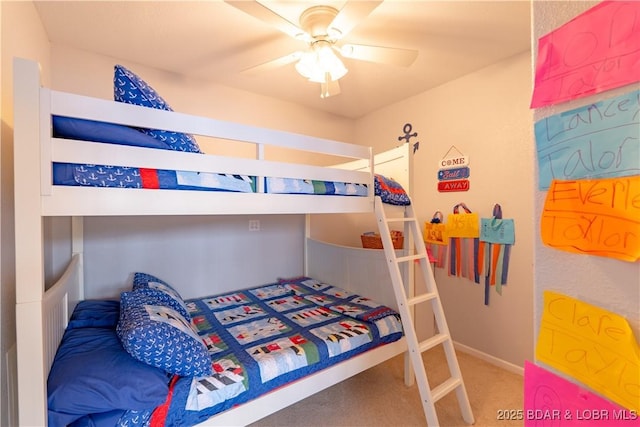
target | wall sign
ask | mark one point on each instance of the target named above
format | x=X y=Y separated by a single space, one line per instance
x=454 y=162
x=457 y=173
x=454 y=185
x=454 y=169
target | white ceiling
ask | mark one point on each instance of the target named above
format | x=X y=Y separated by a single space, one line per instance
x=214 y=41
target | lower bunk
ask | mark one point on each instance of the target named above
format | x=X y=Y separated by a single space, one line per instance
x=230 y=359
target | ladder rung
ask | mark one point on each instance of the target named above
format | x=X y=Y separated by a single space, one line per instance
x=401 y=219
x=433 y=341
x=445 y=388
x=411 y=258
x=421 y=298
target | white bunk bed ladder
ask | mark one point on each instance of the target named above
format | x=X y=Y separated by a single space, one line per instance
x=428 y=395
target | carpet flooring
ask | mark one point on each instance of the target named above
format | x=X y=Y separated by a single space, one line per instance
x=378 y=397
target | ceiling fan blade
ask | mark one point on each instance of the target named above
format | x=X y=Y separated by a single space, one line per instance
x=351 y=14
x=263 y=13
x=275 y=63
x=379 y=54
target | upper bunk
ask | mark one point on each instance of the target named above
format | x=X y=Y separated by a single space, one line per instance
x=273 y=155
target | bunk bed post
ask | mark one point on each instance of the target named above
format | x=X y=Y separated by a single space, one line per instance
x=260 y=179
x=409 y=269
x=32 y=365
x=77 y=250
x=305 y=246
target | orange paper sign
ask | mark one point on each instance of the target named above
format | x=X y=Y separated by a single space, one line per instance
x=595 y=217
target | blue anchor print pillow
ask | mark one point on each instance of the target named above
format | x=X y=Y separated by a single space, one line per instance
x=160 y=336
x=150 y=284
x=130 y=88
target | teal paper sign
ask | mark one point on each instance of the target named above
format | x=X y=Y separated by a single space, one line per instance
x=599 y=140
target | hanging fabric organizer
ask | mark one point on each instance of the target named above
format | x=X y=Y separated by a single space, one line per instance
x=496 y=238
x=436 y=240
x=463 y=232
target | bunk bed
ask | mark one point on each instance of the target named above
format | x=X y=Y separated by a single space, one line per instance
x=44 y=313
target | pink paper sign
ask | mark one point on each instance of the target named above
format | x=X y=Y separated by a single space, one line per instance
x=552 y=401
x=597 y=51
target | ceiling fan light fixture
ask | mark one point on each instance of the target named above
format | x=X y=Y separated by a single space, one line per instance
x=320 y=62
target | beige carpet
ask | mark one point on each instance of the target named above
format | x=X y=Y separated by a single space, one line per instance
x=378 y=397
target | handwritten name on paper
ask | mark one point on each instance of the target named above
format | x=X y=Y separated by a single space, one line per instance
x=463 y=225
x=597 y=51
x=595 y=217
x=593 y=345
x=598 y=140
x=550 y=400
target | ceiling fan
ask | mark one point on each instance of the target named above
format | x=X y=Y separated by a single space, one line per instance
x=323 y=28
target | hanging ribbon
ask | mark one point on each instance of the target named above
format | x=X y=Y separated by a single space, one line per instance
x=493 y=258
x=437 y=254
x=463 y=232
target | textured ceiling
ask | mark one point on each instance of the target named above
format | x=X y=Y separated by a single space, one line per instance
x=214 y=41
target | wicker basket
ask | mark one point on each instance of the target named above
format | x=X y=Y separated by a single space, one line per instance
x=373 y=240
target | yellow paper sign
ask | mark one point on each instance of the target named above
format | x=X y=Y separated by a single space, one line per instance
x=593 y=345
x=595 y=217
x=435 y=233
x=463 y=225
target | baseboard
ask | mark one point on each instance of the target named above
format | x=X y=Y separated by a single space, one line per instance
x=489 y=358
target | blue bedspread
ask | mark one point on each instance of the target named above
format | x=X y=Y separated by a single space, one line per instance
x=262 y=338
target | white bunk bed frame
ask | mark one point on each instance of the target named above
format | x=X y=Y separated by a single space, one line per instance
x=42 y=312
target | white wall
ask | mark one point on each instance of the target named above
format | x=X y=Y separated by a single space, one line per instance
x=198 y=255
x=485 y=115
x=21 y=35
x=611 y=284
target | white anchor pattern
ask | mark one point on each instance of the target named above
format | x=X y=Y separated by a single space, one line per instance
x=130 y=88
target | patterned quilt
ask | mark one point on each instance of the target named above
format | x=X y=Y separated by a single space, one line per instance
x=262 y=338
x=132 y=177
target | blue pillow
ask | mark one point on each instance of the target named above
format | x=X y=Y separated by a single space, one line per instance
x=130 y=88
x=95 y=314
x=390 y=191
x=161 y=337
x=111 y=133
x=169 y=296
x=92 y=373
